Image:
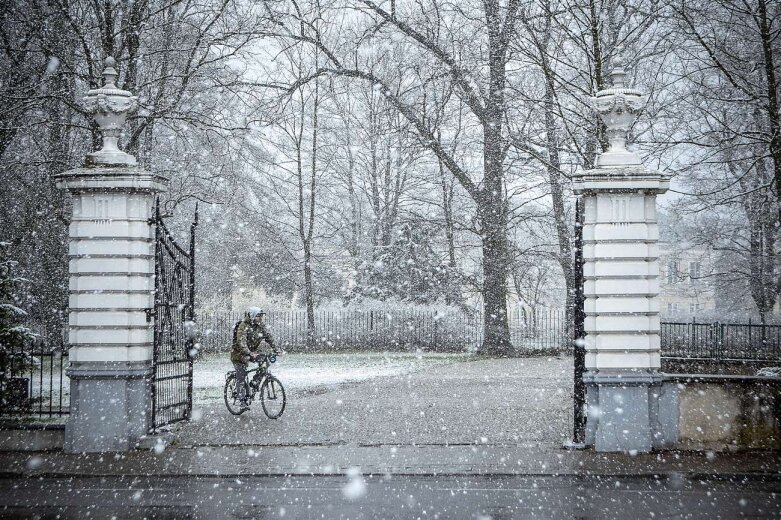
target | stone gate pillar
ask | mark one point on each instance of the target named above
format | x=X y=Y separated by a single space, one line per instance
x=621 y=282
x=112 y=267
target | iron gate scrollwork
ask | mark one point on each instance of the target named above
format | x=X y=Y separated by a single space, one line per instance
x=174 y=325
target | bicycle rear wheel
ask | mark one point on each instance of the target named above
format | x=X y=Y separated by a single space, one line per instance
x=232 y=401
x=272 y=397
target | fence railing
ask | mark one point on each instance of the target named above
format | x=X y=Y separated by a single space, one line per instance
x=541 y=331
x=351 y=329
x=721 y=341
x=33 y=382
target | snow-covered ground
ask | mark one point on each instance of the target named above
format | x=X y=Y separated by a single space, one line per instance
x=298 y=372
x=301 y=372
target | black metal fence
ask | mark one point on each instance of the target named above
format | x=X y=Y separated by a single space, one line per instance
x=530 y=332
x=33 y=382
x=351 y=329
x=721 y=341
x=393 y=329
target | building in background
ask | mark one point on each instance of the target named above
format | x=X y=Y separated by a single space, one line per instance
x=686 y=283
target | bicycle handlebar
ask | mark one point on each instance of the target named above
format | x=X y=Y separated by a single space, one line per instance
x=271 y=358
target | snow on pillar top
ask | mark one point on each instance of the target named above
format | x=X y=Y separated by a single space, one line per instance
x=618 y=107
x=109 y=105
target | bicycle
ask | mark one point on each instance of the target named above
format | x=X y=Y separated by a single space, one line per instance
x=272 y=393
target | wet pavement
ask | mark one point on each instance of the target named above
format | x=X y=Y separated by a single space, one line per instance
x=484 y=401
x=358 y=497
x=478 y=439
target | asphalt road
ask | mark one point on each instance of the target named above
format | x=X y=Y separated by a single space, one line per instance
x=359 y=497
x=486 y=401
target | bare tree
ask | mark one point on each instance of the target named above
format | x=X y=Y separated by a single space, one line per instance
x=727 y=85
x=733 y=49
x=485 y=97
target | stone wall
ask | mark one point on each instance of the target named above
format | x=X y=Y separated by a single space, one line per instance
x=726 y=412
x=31 y=438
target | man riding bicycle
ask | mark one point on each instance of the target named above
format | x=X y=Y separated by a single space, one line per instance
x=248 y=334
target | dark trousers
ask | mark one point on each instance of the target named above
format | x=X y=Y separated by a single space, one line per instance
x=241 y=379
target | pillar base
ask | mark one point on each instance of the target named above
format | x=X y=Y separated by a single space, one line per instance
x=623 y=410
x=110 y=407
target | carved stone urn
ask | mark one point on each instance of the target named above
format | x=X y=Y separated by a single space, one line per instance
x=109 y=105
x=618 y=107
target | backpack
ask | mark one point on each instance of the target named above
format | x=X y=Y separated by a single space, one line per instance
x=235 y=331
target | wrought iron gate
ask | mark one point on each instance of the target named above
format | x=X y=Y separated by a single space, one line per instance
x=174 y=327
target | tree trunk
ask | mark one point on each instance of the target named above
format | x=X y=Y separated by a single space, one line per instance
x=496 y=339
x=354 y=240
x=307 y=238
x=598 y=81
x=774 y=118
x=306 y=208
x=453 y=295
x=492 y=211
x=553 y=168
x=309 y=297
x=492 y=215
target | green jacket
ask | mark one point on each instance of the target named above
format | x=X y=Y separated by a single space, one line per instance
x=247 y=338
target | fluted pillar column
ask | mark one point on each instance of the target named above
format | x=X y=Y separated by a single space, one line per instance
x=112 y=268
x=621 y=282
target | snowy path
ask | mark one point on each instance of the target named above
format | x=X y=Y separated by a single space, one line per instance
x=523 y=401
x=311 y=372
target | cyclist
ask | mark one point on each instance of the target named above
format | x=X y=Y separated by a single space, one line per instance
x=248 y=334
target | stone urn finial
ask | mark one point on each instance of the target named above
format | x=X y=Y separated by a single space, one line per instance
x=109 y=106
x=618 y=107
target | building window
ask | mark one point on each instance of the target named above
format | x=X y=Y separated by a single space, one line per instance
x=672 y=308
x=694 y=272
x=672 y=271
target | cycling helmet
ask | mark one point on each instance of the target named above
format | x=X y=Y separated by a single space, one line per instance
x=254 y=311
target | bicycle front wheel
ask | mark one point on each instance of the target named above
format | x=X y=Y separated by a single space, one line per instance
x=232 y=401
x=272 y=397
